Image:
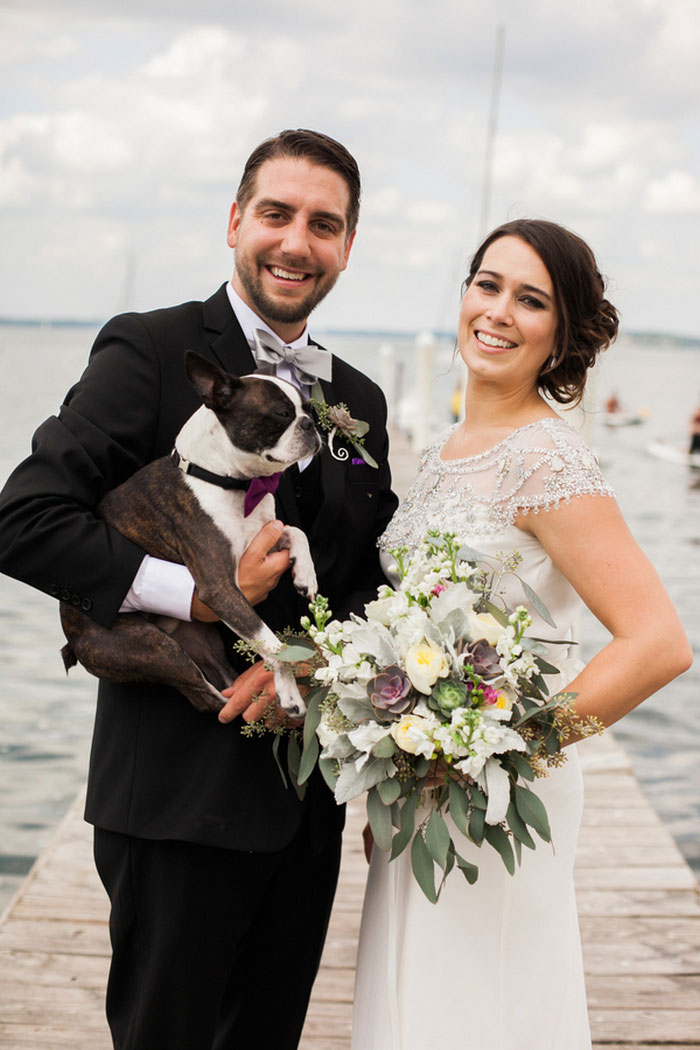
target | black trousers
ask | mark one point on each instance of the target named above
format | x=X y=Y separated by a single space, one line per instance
x=213 y=949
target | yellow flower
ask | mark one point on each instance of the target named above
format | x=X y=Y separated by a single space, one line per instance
x=504 y=702
x=425 y=663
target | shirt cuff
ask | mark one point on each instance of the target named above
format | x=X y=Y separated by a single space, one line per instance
x=161 y=587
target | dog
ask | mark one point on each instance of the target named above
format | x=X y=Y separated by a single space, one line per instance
x=201 y=506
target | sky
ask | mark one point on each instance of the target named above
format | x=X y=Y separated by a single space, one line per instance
x=124 y=127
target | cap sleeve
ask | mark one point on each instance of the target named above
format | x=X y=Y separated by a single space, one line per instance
x=544 y=466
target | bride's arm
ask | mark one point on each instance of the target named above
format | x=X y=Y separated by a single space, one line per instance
x=592 y=546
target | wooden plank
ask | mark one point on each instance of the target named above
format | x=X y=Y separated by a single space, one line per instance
x=671 y=1026
x=637 y=991
x=637 y=903
x=50 y=1037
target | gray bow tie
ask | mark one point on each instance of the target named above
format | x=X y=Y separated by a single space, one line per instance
x=308 y=363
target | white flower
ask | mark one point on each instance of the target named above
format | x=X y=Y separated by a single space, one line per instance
x=413 y=734
x=425 y=662
x=326 y=735
x=367 y=734
x=484 y=625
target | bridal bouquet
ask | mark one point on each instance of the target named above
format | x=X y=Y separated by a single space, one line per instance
x=436 y=702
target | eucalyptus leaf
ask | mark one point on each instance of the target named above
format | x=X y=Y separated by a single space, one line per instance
x=498 y=838
x=389 y=790
x=498 y=614
x=295 y=653
x=519 y=828
x=545 y=667
x=531 y=645
x=308 y=760
x=276 y=743
x=479 y=800
x=537 y=603
x=467 y=553
x=293 y=763
x=369 y=459
x=470 y=871
x=379 y=819
x=531 y=810
x=384 y=748
x=422 y=864
x=408 y=823
x=329 y=771
x=459 y=806
x=313 y=714
x=422 y=765
x=437 y=839
x=522 y=766
x=476 y=826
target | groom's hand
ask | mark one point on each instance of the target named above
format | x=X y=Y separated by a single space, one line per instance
x=253 y=696
x=250 y=696
x=261 y=566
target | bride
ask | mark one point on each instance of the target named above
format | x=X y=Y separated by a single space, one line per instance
x=497 y=965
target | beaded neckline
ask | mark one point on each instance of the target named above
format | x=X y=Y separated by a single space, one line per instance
x=439 y=445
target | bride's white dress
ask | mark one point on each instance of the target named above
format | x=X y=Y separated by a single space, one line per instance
x=496 y=965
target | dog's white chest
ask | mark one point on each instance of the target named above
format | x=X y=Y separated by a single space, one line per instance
x=225 y=508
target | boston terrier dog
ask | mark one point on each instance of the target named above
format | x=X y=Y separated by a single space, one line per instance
x=201 y=506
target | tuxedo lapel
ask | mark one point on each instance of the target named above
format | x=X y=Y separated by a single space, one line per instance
x=333 y=480
x=225 y=336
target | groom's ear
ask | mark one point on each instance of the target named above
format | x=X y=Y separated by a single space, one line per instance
x=348 y=245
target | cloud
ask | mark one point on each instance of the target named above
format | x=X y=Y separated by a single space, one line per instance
x=125 y=128
x=677 y=193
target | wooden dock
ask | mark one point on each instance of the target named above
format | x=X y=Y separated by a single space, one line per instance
x=638 y=901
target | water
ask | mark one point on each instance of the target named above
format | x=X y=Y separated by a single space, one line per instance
x=46 y=718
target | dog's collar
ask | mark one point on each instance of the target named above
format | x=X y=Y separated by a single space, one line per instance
x=222 y=480
x=255 y=488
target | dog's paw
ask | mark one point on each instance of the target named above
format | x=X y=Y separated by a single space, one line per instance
x=288 y=696
x=304 y=577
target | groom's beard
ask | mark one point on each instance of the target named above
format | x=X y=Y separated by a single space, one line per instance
x=283 y=311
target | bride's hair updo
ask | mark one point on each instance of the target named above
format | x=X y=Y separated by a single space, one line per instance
x=586 y=322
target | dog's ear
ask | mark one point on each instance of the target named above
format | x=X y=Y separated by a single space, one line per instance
x=215 y=387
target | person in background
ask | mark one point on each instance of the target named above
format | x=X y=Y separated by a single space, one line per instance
x=695 y=432
x=220 y=879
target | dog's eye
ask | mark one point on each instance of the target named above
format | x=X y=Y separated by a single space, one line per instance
x=283 y=413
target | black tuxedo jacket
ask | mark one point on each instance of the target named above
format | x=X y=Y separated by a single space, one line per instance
x=158 y=768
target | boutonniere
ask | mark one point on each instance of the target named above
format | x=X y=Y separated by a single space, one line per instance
x=336 y=419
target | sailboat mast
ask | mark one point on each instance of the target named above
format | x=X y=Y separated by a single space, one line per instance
x=491 y=132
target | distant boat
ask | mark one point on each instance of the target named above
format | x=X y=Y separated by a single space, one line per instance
x=673 y=453
x=621 y=419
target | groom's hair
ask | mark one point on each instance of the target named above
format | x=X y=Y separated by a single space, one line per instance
x=313 y=146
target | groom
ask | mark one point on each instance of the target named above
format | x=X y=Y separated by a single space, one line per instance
x=220 y=880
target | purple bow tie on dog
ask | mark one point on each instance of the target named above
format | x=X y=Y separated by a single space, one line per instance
x=257 y=490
